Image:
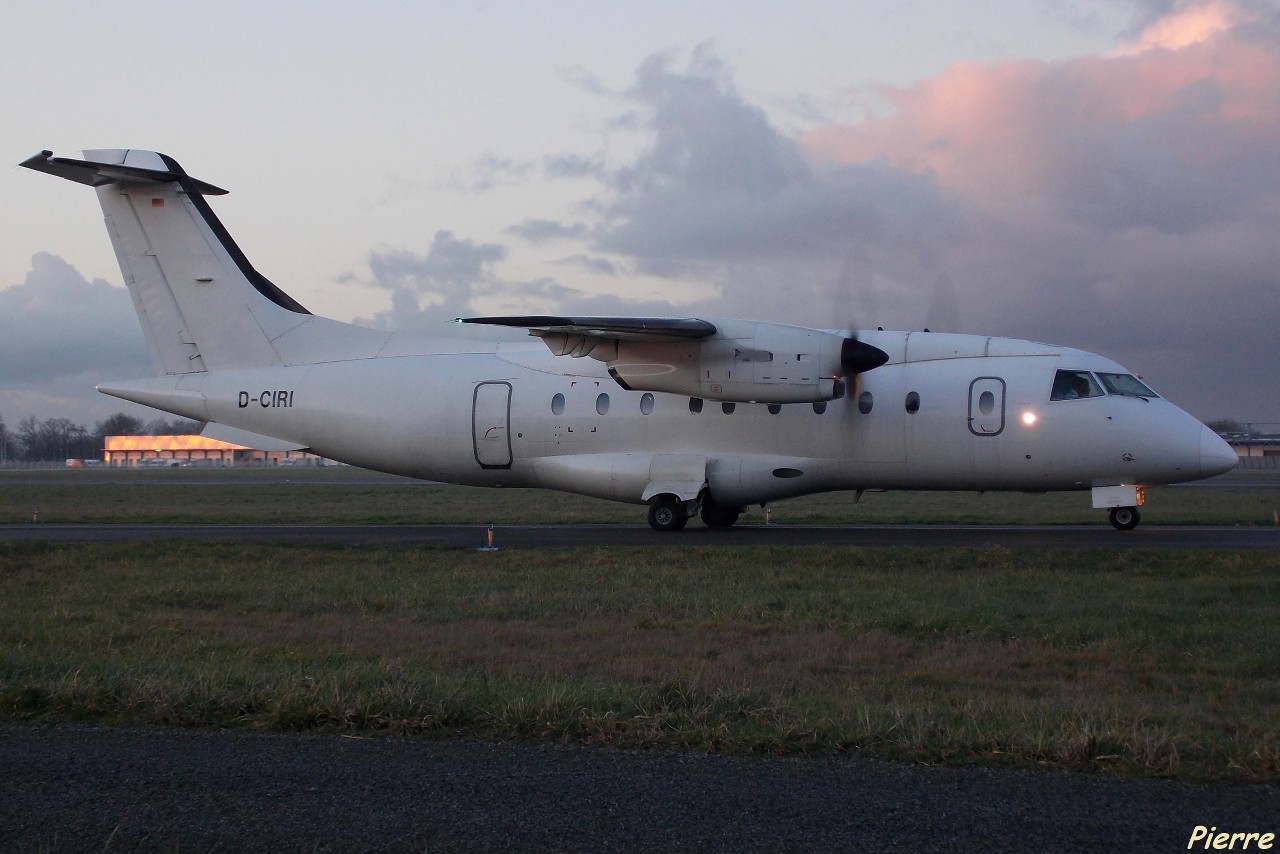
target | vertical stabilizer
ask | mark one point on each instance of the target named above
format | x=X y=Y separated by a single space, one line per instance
x=202 y=305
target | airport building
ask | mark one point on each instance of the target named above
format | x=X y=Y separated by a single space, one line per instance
x=1257 y=445
x=165 y=451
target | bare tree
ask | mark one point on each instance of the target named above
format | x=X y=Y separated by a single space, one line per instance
x=173 y=427
x=118 y=425
x=53 y=439
x=6 y=445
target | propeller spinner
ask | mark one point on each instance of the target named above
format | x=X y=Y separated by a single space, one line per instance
x=858 y=357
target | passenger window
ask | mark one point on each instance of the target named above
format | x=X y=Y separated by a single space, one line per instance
x=695 y=405
x=557 y=404
x=602 y=404
x=728 y=408
x=865 y=402
x=913 y=402
x=1073 y=385
x=774 y=408
x=646 y=403
x=820 y=407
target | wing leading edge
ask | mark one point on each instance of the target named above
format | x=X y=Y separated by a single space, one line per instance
x=651 y=329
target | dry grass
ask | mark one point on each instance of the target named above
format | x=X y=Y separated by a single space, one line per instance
x=1140 y=663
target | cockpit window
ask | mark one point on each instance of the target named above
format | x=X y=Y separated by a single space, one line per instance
x=1072 y=385
x=1126 y=384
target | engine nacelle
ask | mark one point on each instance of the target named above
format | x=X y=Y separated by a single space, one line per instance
x=744 y=361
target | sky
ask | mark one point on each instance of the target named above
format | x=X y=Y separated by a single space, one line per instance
x=1101 y=174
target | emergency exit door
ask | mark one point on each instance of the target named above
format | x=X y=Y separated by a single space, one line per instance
x=491 y=424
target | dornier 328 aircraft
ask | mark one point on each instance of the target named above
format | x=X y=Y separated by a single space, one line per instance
x=691 y=416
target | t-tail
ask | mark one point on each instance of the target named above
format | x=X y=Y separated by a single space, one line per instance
x=202 y=305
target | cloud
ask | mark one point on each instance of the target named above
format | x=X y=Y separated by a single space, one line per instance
x=721 y=196
x=58 y=333
x=1127 y=203
x=56 y=322
x=486 y=173
x=573 y=166
x=1155 y=136
x=542 y=230
x=598 y=266
x=439 y=285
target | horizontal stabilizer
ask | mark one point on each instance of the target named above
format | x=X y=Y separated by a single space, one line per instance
x=617 y=328
x=244 y=438
x=97 y=174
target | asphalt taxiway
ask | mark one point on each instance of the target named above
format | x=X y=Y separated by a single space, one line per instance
x=1185 y=537
x=75 y=787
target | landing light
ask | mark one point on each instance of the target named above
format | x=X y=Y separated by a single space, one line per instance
x=1028 y=418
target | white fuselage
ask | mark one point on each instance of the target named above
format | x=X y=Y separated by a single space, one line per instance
x=487 y=414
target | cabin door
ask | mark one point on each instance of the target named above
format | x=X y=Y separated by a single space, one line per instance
x=986 y=406
x=491 y=424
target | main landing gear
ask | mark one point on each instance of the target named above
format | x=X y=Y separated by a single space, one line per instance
x=669 y=513
x=1125 y=518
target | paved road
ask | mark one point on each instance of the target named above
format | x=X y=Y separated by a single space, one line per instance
x=560 y=536
x=87 y=788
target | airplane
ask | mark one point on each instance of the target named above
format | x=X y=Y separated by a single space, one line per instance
x=690 y=416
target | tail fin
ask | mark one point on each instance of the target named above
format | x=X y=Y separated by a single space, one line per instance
x=201 y=303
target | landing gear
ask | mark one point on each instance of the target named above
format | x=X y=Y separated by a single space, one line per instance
x=1125 y=518
x=718 y=515
x=667 y=513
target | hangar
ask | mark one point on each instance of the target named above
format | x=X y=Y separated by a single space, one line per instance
x=165 y=451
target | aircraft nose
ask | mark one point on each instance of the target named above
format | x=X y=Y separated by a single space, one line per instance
x=1216 y=456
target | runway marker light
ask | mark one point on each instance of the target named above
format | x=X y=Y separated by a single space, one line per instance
x=489 y=546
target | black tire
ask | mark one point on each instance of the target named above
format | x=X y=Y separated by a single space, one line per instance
x=667 y=513
x=1125 y=518
x=718 y=515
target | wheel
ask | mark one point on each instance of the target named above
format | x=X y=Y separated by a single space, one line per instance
x=718 y=515
x=1125 y=518
x=667 y=513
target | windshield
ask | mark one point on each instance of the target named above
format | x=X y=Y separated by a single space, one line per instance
x=1126 y=384
x=1074 y=385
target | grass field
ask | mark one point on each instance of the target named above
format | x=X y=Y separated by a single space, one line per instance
x=353 y=496
x=1129 y=662
x=1139 y=663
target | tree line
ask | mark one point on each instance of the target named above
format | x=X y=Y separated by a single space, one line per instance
x=57 y=439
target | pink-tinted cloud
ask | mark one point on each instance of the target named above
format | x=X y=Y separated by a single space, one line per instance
x=1200 y=86
x=1187 y=26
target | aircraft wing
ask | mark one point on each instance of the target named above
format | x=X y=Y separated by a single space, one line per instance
x=642 y=329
